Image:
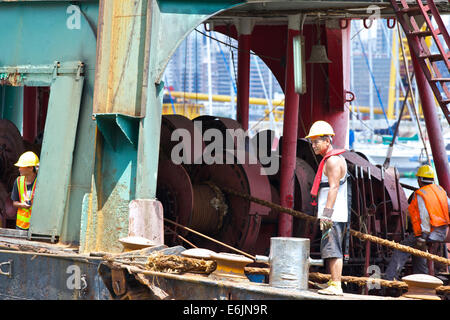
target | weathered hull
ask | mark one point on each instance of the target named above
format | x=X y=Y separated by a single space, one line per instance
x=45 y=277
x=198 y=287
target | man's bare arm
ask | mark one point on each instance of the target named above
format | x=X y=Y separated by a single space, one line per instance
x=23 y=205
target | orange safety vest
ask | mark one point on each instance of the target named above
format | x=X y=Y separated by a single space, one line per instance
x=23 y=215
x=435 y=199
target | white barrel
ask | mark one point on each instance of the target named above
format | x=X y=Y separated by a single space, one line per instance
x=289 y=263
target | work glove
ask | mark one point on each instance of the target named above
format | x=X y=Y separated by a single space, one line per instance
x=421 y=243
x=325 y=224
x=425 y=235
x=325 y=221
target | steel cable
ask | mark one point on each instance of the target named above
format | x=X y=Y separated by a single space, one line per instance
x=360 y=235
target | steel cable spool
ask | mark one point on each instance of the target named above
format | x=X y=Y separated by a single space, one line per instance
x=304 y=178
x=169 y=125
x=7 y=211
x=241 y=224
x=226 y=126
x=209 y=209
x=11 y=147
x=174 y=190
x=174 y=187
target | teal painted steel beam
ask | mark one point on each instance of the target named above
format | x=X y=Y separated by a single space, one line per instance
x=116 y=110
x=113 y=189
x=171 y=22
x=196 y=6
x=56 y=155
x=166 y=32
x=111 y=124
x=37 y=35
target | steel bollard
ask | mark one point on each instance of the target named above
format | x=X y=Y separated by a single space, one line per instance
x=289 y=263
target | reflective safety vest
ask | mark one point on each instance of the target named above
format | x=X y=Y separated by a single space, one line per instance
x=23 y=215
x=435 y=199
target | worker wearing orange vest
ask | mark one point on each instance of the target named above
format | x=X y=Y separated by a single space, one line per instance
x=429 y=214
x=24 y=188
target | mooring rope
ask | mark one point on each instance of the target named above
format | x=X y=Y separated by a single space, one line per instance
x=360 y=235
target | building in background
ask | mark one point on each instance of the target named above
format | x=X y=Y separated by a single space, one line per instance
x=187 y=71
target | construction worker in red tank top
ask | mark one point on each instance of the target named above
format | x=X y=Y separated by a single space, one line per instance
x=429 y=214
x=330 y=189
x=24 y=188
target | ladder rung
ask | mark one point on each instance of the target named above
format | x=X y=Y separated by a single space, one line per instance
x=426 y=33
x=446 y=101
x=440 y=80
x=433 y=57
x=412 y=11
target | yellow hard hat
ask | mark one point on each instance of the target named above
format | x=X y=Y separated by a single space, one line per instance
x=320 y=128
x=425 y=171
x=28 y=159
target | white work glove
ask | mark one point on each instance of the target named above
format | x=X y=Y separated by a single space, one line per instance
x=421 y=241
x=325 y=221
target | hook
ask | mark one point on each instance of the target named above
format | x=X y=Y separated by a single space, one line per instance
x=352 y=96
x=364 y=22
x=393 y=23
x=345 y=25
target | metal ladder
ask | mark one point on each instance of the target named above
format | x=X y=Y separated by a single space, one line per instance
x=416 y=38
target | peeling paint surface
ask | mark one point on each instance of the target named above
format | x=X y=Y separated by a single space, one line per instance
x=39 y=277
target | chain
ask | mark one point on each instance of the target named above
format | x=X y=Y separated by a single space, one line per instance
x=357 y=234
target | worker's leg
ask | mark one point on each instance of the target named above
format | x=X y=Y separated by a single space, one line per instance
x=331 y=250
x=331 y=242
x=335 y=265
x=420 y=265
x=399 y=259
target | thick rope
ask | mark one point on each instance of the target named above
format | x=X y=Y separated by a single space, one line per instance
x=360 y=281
x=360 y=235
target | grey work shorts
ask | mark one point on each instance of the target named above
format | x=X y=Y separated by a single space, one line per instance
x=332 y=241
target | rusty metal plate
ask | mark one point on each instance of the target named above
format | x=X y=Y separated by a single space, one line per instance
x=119 y=283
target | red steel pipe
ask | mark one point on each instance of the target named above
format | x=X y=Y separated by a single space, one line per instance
x=243 y=80
x=30 y=107
x=433 y=127
x=290 y=128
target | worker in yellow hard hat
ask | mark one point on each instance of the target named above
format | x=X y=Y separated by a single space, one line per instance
x=429 y=214
x=24 y=187
x=331 y=190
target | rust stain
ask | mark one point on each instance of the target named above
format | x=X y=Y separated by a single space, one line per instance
x=11 y=79
x=117 y=57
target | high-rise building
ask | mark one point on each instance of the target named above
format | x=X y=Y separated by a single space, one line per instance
x=188 y=71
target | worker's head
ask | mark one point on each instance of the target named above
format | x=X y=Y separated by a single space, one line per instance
x=321 y=136
x=425 y=175
x=27 y=163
